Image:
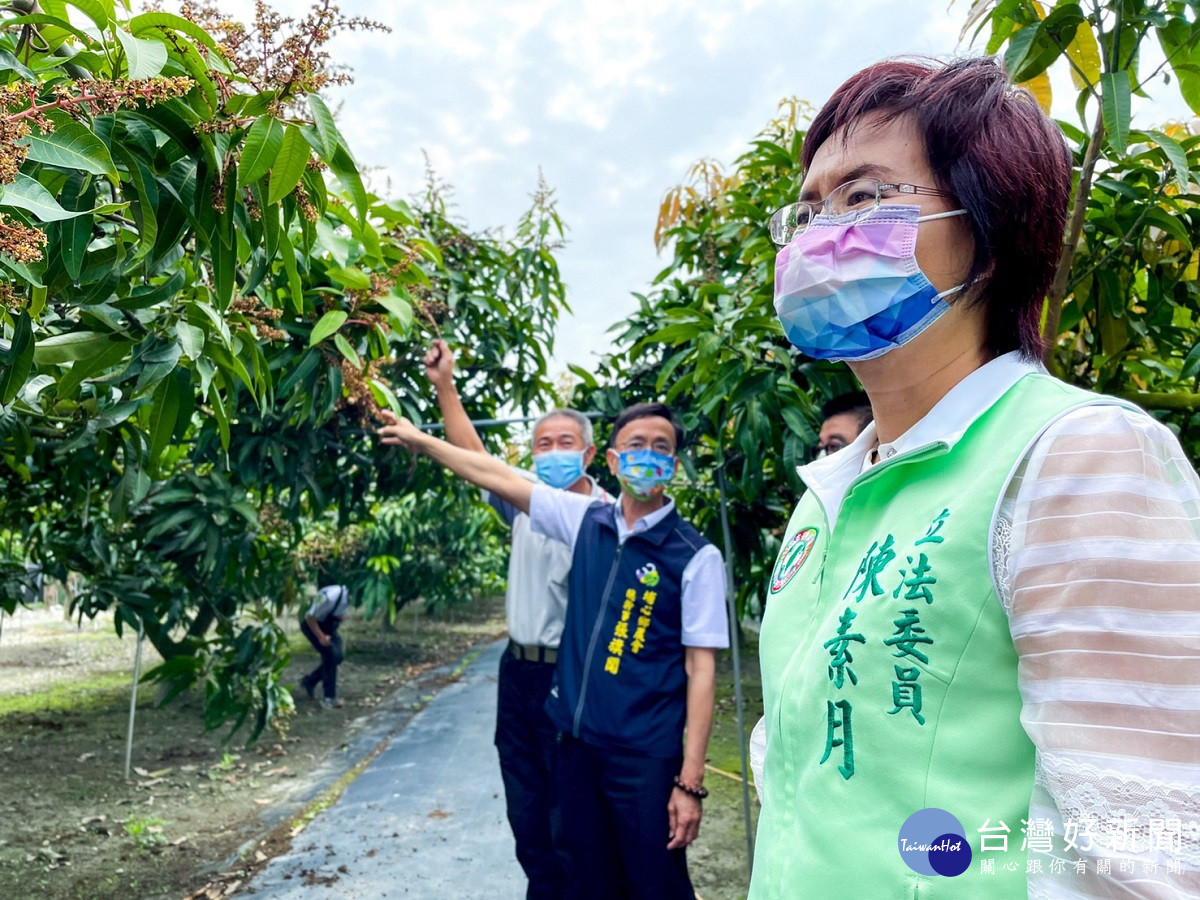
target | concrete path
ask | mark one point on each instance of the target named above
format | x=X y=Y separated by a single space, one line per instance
x=425 y=819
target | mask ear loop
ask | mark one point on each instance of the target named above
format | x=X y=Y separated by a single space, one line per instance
x=944 y=215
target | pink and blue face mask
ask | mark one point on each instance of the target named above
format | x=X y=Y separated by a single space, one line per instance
x=853 y=290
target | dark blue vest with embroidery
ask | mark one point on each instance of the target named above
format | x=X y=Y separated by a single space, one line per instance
x=620 y=682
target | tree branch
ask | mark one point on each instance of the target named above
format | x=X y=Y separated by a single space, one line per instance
x=1062 y=275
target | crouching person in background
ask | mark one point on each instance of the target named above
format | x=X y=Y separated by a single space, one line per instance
x=320 y=626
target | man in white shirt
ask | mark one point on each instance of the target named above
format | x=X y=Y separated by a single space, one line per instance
x=320 y=626
x=637 y=659
x=535 y=606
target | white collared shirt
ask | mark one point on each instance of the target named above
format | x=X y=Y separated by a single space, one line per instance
x=1095 y=550
x=535 y=601
x=559 y=514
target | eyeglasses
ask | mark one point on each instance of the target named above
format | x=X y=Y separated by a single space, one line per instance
x=665 y=447
x=824 y=450
x=847 y=202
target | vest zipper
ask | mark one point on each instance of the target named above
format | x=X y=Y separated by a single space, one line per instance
x=587 y=661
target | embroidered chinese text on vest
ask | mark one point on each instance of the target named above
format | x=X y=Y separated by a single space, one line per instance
x=889 y=675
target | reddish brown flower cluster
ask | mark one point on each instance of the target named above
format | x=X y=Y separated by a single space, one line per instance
x=252 y=207
x=432 y=312
x=20 y=242
x=22 y=108
x=356 y=390
x=279 y=53
x=307 y=210
x=262 y=318
x=9 y=298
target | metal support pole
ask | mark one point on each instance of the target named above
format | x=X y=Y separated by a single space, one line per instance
x=737 y=667
x=137 y=675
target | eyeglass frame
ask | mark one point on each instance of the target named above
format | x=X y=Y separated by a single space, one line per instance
x=822 y=205
x=659 y=445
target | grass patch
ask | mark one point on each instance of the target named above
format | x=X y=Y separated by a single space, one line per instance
x=99 y=691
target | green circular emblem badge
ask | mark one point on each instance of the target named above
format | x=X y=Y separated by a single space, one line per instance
x=792 y=557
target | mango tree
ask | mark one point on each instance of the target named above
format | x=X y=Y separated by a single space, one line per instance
x=203 y=309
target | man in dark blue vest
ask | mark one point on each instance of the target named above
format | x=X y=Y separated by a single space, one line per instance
x=645 y=617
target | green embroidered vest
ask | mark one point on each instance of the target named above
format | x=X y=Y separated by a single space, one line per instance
x=889 y=674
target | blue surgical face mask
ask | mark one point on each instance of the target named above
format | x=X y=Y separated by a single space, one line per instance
x=644 y=474
x=559 y=468
x=853 y=290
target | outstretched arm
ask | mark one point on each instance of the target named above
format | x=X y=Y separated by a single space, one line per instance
x=439 y=369
x=480 y=469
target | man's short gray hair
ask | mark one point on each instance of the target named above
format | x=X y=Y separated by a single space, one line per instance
x=584 y=423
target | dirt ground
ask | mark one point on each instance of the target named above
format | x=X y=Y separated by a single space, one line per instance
x=197 y=816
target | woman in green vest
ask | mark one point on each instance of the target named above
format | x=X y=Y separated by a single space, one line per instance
x=981 y=647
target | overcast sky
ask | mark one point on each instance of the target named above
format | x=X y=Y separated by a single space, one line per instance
x=612 y=99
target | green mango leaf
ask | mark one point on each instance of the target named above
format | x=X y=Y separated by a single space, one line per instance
x=343 y=166
x=287 y=253
x=73 y=146
x=384 y=396
x=114 y=354
x=1034 y=48
x=217 y=403
x=327 y=131
x=144 y=58
x=170 y=22
x=28 y=194
x=1114 y=96
x=30 y=275
x=248 y=106
x=169 y=396
x=327 y=325
x=260 y=149
x=199 y=70
x=351 y=276
x=16 y=363
x=1175 y=153
x=347 y=351
x=101 y=12
x=1191 y=363
x=76 y=234
x=51 y=23
x=191 y=339
x=308 y=363
x=69 y=347
x=1173 y=225
x=401 y=309
x=289 y=165
x=131 y=490
x=1182 y=51
x=9 y=63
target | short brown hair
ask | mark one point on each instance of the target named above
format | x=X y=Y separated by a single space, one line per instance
x=991 y=146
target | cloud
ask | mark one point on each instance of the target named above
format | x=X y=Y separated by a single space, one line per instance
x=613 y=99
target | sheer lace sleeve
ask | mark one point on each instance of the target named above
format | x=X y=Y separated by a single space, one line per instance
x=1102 y=576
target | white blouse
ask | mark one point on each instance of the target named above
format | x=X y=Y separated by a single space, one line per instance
x=1096 y=560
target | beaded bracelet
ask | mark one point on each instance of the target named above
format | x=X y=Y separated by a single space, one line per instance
x=698 y=792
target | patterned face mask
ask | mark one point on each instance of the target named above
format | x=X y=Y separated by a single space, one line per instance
x=853 y=290
x=644 y=473
x=559 y=468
